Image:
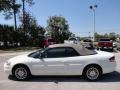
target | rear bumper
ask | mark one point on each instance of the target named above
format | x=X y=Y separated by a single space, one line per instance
x=110 y=67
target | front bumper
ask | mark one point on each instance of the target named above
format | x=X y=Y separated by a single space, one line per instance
x=7 y=69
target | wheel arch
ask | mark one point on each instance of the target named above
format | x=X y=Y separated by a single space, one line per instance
x=20 y=64
x=92 y=64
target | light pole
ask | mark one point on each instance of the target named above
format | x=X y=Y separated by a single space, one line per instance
x=93 y=8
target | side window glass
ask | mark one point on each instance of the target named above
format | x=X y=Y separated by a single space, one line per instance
x=70 y=52
x=55 y=53
x=35 y=54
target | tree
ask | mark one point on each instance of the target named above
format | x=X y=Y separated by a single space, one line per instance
x=32 y=32
x=58 y=28
x=112 y=35
x=98 y=36
x=30 y=2
x=9 y=7
x=6 y=35
x=28 y=33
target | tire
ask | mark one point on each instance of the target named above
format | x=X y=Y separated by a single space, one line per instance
x=92 y=73
x=21 y=73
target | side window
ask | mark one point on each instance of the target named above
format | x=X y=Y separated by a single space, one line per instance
x=35 y=54
x=55 y=53
x=70 y=52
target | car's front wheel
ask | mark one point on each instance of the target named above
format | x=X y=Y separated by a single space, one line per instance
x=92 y=73
x=21 y=73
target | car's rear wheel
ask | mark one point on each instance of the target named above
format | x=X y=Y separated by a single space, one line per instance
x=21 y=73
x=92 y=73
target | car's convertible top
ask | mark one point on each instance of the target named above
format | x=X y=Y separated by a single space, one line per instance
x=79 y=48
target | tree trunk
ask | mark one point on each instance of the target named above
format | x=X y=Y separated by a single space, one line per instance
x=23 y=15
x=15 y=26
x=24 y=42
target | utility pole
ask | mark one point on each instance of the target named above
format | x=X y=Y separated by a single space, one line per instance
x=93 y=8
x=89 y=36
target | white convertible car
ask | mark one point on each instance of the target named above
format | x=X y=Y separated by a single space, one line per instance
x=61 y=59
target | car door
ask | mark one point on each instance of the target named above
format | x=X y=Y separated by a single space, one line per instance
x=73 y=62
x=51 y=63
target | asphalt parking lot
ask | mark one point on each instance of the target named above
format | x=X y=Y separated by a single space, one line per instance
x=107 y=82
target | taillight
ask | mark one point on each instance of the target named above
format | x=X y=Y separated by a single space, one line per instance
x=112 y=59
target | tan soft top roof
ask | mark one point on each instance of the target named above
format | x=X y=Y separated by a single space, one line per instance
x=79 y=48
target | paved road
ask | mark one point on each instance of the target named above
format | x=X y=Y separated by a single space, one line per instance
x=107 y=82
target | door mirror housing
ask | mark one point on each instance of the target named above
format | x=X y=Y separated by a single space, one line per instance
x=41 y=55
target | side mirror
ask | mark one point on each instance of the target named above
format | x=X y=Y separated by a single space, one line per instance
x=41 y=55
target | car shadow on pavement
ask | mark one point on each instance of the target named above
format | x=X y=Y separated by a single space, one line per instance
x=111 y=77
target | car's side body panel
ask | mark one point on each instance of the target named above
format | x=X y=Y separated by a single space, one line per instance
x=71 y=65
x=63 y=66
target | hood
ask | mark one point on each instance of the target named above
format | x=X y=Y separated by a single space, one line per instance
x=20 y=59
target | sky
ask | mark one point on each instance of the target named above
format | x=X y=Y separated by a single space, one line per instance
x=78 y=14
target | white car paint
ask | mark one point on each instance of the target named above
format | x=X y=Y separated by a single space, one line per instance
x=62 y=66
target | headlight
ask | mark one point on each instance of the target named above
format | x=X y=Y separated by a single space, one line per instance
x=8 y=63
